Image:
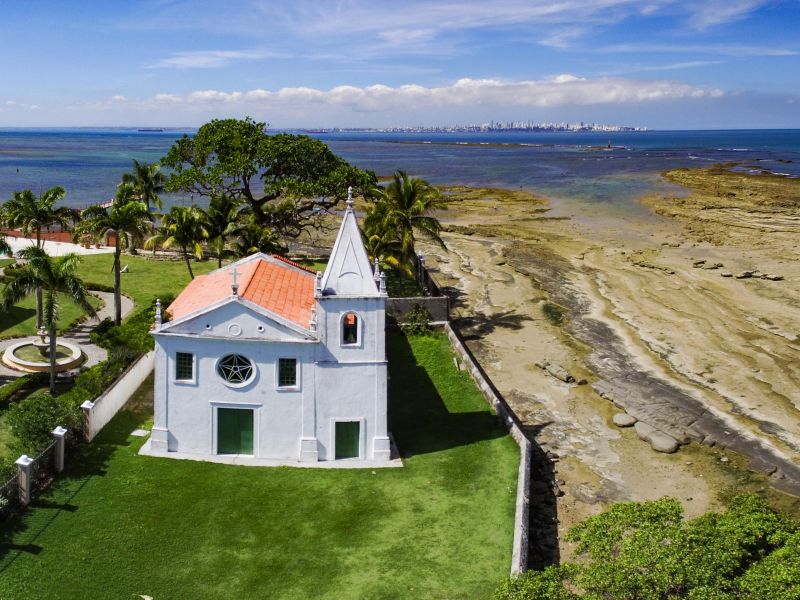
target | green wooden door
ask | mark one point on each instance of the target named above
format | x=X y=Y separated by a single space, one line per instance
x=347 y=439
x=234 y=431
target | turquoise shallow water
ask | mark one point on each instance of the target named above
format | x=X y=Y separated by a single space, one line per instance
x=89 y=163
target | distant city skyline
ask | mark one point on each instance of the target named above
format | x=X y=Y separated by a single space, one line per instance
x=660 y=64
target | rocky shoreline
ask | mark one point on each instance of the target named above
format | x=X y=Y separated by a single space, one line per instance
x=642 y=310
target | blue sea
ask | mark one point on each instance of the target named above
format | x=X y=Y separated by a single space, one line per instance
x=611 y=168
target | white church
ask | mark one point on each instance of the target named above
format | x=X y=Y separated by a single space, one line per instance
x=267 y=362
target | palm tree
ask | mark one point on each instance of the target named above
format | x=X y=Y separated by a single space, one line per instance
x=4 y=247
x=184 y=227
x=54 y=276
x=252 y=237
x=148 y=180
x=222 y=223
x=31 y=215
x=385 y=247
x=127 y=219
x=402 y=210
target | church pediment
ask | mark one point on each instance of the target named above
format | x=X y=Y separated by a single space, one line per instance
x=237 y=319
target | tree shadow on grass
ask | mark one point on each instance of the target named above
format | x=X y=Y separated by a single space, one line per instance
x=418 y=416
x=16 y=315
x=18 y=535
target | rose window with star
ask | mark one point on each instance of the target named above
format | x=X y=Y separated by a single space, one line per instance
x=235 y=369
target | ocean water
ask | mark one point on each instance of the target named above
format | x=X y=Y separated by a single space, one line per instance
x=564 y=166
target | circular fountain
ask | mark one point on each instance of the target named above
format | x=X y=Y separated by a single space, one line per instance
x=35 y=356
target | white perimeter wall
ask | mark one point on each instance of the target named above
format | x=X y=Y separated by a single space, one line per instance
x=103 y=409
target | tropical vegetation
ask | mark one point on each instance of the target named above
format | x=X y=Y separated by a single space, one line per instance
x=127 y=219
x=31 y=214
x=52 y=276
x=183 y=227
x=648 y=550
x=399 y=213
x=223 y=222
x=147 y=181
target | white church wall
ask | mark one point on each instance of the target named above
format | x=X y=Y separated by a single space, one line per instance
x=350 y=392
x=371 y=344
x=190 y=416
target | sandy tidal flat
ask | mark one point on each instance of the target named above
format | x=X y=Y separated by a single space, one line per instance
x=640 y=309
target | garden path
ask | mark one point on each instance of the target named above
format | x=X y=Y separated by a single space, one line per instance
x=78 y=335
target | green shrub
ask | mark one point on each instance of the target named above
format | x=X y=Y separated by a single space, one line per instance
x=99 y=287
x=33 y=420
x=416 y=321
x=541 y=585
x=130 y=339
x=648 y=550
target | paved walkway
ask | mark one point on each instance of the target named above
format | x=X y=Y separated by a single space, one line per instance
x=56 y=248
x=78 y=335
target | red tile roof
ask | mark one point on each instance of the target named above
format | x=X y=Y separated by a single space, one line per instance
x=275 y=284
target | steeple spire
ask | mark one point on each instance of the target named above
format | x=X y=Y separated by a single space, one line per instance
x=349 y=271
x=350 y=198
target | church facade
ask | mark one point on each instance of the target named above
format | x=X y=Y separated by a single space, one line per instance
x=266 y=359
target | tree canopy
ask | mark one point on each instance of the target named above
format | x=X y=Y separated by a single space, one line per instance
x=648 y=551
x=285 y=180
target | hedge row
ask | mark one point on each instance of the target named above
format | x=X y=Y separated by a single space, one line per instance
x=21 y=386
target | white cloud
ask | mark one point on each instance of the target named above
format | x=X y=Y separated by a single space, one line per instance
x=558 y=91
x=716 y=12
x=737 y=50
x=13 y=104
x=382 y=26
x=209 y=59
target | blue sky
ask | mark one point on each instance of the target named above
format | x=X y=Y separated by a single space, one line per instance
x=656 y=63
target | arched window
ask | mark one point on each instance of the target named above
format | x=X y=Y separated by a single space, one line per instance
x=350 y=329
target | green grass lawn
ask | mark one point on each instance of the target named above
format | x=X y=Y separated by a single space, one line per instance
x=20 y=320
x=146 y=278
x=118 y=525
x=6 y=261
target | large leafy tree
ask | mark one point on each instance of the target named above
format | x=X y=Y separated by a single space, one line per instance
x=148 y=182
x=648 y=550
x=183 y=227
x=402 y=211
x=223 y=222
x=32 y=214
x=128 y=219
x=286 y=180
x=53 y=276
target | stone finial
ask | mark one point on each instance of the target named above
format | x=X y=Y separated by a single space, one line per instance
x=382 y=286
x=235 y=284
x=376 y=270
x=350 y=198
x=318 y=284
x=313 y=323
x=158 y=314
